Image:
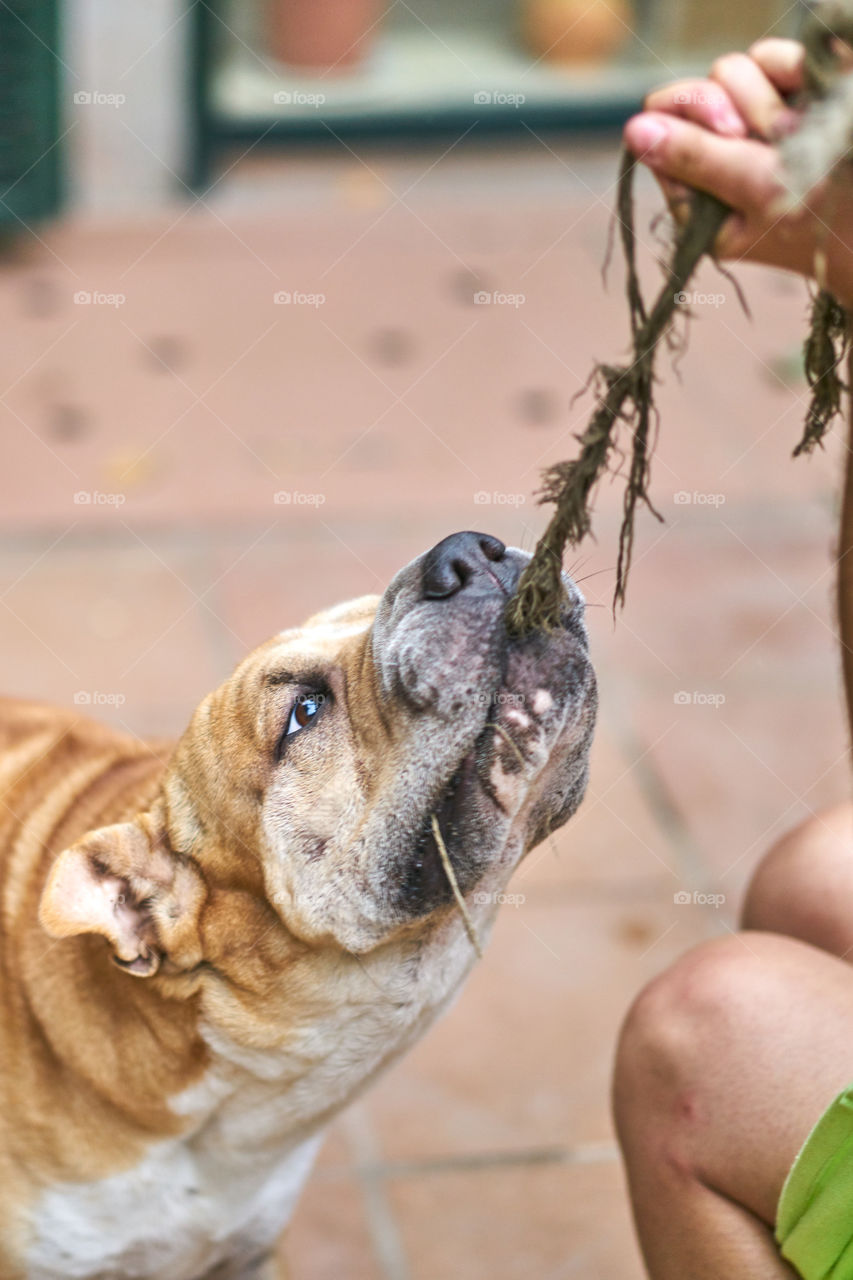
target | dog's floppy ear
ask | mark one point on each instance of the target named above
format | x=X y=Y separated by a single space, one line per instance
x=126 y=884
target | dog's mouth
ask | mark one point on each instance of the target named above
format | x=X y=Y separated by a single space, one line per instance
x=427 y=884
x=470 y=786
x=542 y=692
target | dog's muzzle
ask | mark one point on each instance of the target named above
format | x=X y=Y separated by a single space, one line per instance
x=496 y=727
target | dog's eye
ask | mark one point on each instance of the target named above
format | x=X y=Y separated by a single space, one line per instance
x=305 y=708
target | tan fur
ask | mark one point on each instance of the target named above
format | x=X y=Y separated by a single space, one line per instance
x=52 y=1034
x=63 y=778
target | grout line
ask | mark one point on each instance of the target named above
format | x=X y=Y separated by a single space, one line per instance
x=586 y=1154
x=664 y=808
x=380 y=1217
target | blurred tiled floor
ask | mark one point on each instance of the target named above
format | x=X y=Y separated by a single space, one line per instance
x=392 y=413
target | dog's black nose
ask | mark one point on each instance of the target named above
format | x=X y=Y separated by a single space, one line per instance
x=456 y=560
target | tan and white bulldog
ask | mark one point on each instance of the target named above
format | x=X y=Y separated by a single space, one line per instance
x=208 y=952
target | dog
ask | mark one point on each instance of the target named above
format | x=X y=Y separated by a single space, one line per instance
x=208 y=953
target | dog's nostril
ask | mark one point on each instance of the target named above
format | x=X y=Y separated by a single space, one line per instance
x=493 y=549
x=441 y=578
x=462 y=571
x=451 y=565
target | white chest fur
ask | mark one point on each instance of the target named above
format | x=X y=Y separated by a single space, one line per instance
x=177 y=1216
x=215 y=1200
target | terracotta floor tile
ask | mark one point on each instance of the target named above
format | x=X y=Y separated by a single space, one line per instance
x=729 y=601
x=742 y=775
x=522 y=1060
x=278 y=578
x=329 y=1237
x=514 y=1223
x=197 y=411
x=118 y=627
x=335 y=1152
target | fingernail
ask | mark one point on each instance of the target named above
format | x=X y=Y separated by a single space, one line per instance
x=728 y=122
x=643 y=134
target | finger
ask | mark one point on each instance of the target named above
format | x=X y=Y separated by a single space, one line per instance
x=739 y=171
x=776 y=245
x=702 y=101
x=782 y=61
x=752 y=93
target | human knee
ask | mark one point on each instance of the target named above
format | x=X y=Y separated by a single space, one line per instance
x=679 y=1028
x=798 y=883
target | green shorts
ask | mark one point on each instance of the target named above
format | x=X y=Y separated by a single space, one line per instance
x=814 y=1221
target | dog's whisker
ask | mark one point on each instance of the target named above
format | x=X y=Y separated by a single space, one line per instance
x=595 y=573
x=578 y=564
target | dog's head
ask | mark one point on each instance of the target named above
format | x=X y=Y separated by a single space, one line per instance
x=311 y=780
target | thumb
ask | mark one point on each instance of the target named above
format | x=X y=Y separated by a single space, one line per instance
x=741 y=172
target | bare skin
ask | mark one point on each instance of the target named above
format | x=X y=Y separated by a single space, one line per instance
x=728 y=1059
x=715 y=134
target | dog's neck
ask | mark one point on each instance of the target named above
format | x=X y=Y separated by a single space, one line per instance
x=274 y=1078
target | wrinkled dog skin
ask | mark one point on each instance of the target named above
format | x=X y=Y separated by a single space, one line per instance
x=245 y=929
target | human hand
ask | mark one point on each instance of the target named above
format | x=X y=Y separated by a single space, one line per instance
x=717 y=135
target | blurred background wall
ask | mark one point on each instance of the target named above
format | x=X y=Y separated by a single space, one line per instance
x=189 y=75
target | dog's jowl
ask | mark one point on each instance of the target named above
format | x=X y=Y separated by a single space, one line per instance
x=208 y=951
